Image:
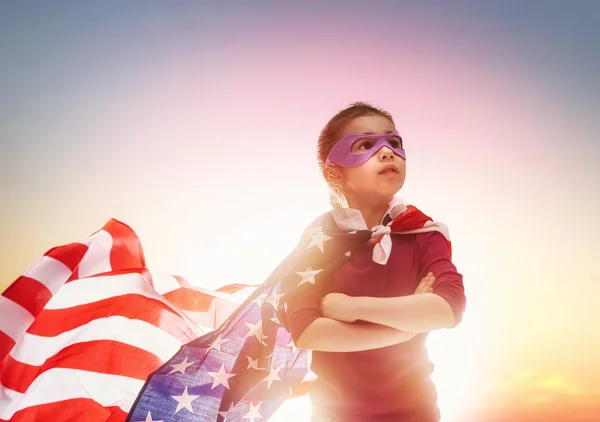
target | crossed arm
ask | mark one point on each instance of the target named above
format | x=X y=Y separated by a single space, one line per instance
x=387 y=321
x=331 y=333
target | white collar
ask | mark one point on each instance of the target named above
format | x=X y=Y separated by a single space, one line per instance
x=352 y=219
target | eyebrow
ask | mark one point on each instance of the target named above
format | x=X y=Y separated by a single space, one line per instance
x=373 y=133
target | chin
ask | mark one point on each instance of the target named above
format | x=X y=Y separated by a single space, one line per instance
x=387 y=195
x=391 y=191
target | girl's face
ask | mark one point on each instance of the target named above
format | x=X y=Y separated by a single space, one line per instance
x=379 y=178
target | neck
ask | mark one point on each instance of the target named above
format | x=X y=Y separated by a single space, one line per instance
x=372 y=211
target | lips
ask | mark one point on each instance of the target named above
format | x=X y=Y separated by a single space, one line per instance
x=389 y=169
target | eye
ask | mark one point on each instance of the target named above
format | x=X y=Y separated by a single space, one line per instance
x=396 y=142
x=366 y=145
x=363 y=145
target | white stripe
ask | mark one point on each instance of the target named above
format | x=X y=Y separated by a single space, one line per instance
x=58 y=384
x=35 y=350
x=198 y=318
x=50 y=272
x=93 y=289
x=97 y=258
x=164 y=283
x=15 y=319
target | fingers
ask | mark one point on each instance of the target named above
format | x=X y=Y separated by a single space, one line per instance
x=426 y=284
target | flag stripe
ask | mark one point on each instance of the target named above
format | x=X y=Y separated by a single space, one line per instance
x=97 y=257
x=29 y=293
x=49 y=271
x=34 y=350
x=118 y=359
x=234 y=288
x=215 y=318
x=128 y=253
x=6 y=345
x=190 y=299
x=182 y=281
x=97 y=288
x=70 y=411
x=53 y=322
x=69 y=255
x=15 y=325
x=164 y=283
x=58 y=384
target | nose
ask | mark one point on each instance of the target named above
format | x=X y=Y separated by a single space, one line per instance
x=385 y=154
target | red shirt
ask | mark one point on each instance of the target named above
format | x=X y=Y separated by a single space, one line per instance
x=391 y=383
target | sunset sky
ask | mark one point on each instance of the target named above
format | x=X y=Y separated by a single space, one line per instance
x=196 y=124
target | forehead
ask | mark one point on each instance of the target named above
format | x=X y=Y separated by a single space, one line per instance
x=368 y=124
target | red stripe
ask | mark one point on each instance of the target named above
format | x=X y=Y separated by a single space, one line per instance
x=52 y=322
x=6 y=345
x=73 y=410
x=101 y=356
x=233 y=288
x=182 y=281
x=29 y=293
x=70 y=255
x=126 y=251
x=190 y=299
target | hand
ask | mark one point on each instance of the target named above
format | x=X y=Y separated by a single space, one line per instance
x=338 y=306
x=426 y=284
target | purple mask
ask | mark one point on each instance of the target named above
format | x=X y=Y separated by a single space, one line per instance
x=342 y=155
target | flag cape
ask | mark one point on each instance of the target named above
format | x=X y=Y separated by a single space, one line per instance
x=90 y=333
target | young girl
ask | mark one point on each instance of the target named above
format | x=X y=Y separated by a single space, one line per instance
x=366 y=326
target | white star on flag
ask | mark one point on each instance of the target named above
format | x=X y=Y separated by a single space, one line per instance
x=317 y=238
x=185 y=400
x=180 y=367
x=253 y=363
x=149 y=418
x=348 y=254
x=292 y=345
x=217 y=343
x=273 y=298
x=225 y=412
x=256 y=331
x=221 y=377
x=253 y=412
x=273 y=376
x=308 y=276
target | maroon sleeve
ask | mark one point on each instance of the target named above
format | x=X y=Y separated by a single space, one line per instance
x=434 y=257
x=303 y=310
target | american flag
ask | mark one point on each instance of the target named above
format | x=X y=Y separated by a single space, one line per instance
x=89 y=333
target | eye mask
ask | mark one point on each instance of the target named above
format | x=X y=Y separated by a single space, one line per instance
x=342 y=155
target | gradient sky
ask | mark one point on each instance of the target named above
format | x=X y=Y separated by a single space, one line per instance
x=196 y=124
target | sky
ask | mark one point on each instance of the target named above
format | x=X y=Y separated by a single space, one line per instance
x=196 y=124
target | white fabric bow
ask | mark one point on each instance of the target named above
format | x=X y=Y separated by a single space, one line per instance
x=351 y=219
x=383 y=248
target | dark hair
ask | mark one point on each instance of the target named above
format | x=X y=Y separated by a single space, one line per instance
x=330 y=133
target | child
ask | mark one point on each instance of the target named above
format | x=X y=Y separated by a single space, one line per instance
x=365 y=326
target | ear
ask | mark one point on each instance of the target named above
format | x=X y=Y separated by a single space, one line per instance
x=332 y=174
